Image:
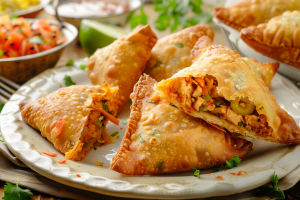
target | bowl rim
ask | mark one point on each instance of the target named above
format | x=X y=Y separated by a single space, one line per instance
x=70 y=39
x=110 y=16
x=41 y=5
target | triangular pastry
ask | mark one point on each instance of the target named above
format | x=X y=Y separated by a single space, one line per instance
x=253 y=12
x=73 y=118
x=172 y=53
x=122 y=62
x=162 y=139
x=265 y=71
x=221 y=89
x=278 y=39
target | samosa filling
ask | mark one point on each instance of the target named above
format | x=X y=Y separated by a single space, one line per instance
x=201 y=94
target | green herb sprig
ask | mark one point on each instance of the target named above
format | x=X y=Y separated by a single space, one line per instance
x=196 y=172
x=70 y=63
x=14 y=192
x=233 y=162
x=1 y=107
x=68 y=81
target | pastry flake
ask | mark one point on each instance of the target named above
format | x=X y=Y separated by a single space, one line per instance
x=278 y=39
x=160 y=138
x=121 y=63
x=253 y=12
x=73 y=119
x=172 y=53
x=221 y=89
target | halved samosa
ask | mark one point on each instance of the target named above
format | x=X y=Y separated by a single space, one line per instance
x=172 y=53
x=73 y=118
x=265 y=71
x=221 y=89
x=122 y=63
x=160 y=138
x=250 y=12
x=278 y=39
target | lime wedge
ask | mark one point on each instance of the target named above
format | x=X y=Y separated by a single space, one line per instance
x=94 y=35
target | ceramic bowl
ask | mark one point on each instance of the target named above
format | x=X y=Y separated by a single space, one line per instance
x=31 y=12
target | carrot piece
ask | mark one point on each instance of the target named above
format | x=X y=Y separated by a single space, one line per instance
x=245 y=172
x=98 y=163
x=78 y=175
x=61 y=161
x=232 y=173
x=204 y=90
x=59 y=126
x=240 y=172
x=110 y=117
x=155 y=98
x=48 y=153
x=211 y=100
x=220 y=177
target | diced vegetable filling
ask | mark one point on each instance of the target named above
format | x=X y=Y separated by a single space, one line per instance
x=201 y=94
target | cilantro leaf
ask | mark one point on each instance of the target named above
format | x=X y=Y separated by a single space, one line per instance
x=68 y=81
x=70 y=63
x=274 y=192
x=125 y=121
x=83 y=67
x=13 y=16
x=214 y=170
x=196 y=172
x=1 y=107
x=14 y=192
x=233 y=162
x=139 y=19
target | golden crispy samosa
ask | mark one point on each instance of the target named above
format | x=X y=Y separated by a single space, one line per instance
x=278 y=39
x=160 y=138
x=121 y=63
x=265 y=71
x=253 y=12
x=172 y=53
x=73 y=119
x=221 y=89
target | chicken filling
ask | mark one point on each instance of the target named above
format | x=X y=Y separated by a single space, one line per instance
x=200 y=94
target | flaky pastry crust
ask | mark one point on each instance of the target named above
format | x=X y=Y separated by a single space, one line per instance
x=172 y=53
x=278 y=39
x=162 y=139
x=253 y=12
x=121 y=63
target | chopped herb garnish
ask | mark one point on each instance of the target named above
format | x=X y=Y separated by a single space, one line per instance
x=214 y=170
x=95 y=148
x=259 y=120
x=245 y=61
x=1 y=107
x=218 y=102
x=141 y=139
x=1 y=141
x=155 y=133
x=233 y=162
x=158 y=63
x=160 y=164
x=152 y=102
x=13 y=16
x=229 y=76
x=83 y=67
x=172 y=104
x=114 y=134
x=104 y=106
x=14 y=192
x=251 y=130
x=1 y=53
x=242 y=124
x=274 y=193
x=70 y=63
x=179 y=45
x=203 y=108
x=125 y=121
x=206 y=97
x=196 y=172
x=36 y=39
x=68 y=81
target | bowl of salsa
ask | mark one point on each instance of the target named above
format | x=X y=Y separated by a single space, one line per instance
x=30 y=46
x=116 y=12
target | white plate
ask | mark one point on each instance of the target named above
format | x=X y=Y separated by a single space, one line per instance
x=28 y=145
x=233 y=38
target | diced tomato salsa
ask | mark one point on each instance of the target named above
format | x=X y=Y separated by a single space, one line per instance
x=19 y=37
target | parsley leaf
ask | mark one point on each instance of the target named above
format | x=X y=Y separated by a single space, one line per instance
x=70 y=63
x=125 y=121
x=68 y=81
x=196 y=172
x=114 y=134
x=83 y=67
x=274 y=192
x=214 y=170
x=160 y=164
x=141 y=139
x=233 y=162
x=14 y=192
x=1 y=107
x=139 y=19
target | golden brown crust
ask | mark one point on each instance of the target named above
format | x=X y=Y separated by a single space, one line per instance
x=121 y=63
x=72 y=104
x=172 y=53
x=183 y=142
x=250 y=13
x=277 y=39
x=235 y=80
